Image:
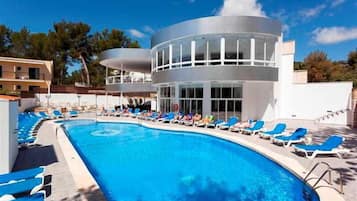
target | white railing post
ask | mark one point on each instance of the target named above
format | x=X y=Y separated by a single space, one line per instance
x=193 y=52
x=252 y=51
x=223 y=49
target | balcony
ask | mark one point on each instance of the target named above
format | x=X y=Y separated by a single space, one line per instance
x=130 y=83
x=21 y=76
x=144 y=78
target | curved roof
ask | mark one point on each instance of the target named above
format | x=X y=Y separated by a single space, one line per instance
x=217 y=25
x=132 y=59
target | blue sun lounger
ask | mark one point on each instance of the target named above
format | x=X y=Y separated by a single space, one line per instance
x=296 y=137
x=39 y=196
x=215 y=123
x=258 y=125
x=170 y=117
x=44 y=115
x=22 y=174
x=330 y=146
x=278 y=130
x=29 y=185
x=231 y=121
x=73 y=113
x=57 y=114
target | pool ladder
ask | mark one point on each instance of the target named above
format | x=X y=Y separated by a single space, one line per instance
x=328 y=171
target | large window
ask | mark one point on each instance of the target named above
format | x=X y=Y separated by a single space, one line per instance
x=0 y=71
x=201 y=52
x=176 y=55
x=231 y=50
x=167 y=95
x=214 y=51
x=244 y=51
x=207 y=51
x=226 y=100
x=191 y=99
x=34 y=73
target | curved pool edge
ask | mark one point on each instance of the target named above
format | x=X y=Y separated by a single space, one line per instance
x=293 y=166
x=82 y=177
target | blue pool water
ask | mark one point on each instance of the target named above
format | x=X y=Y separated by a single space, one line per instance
x=131 y=163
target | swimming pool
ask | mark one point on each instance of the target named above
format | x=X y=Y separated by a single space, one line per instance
x=131 y=162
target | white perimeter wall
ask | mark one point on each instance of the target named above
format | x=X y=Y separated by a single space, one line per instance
x=27 y=103
x=8 y=136
x=313 y=100
x=259 y=100
x=68 y=99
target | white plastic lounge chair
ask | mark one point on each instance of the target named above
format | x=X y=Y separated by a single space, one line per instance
x=22 y=174
x=296 y=137
x=231 y=121
x=278 y=130
x=29 y=185
x=258 y=126
x=39 y=196
x=330 y=146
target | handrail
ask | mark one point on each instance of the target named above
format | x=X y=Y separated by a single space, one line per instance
x=329 y=171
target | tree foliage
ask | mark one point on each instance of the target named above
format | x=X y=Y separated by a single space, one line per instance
x=322 y=69
x=67 y=44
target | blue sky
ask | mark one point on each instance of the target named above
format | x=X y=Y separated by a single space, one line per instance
x=327 y=25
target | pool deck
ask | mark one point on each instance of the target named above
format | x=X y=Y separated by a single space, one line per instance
x=54 y=152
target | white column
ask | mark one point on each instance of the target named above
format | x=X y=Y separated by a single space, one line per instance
x=170 y=56
x=265 y=52
x=121 y=81
x=106 y=92
x=206 y=103
x=193 y=52
x=158 y=99
x=223 y=50
x=252 y=51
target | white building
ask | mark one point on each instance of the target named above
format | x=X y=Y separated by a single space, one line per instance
x=225 y=66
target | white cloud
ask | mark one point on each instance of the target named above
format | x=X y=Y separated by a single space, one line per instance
x=149 y=29
x=241 y=7
x=312 y=12
x=136 y=33
x=335 y=3
x=333 y=35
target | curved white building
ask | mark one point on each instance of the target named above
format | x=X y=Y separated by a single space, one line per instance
x=222 y=65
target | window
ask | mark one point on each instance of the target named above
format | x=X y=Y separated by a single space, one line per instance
x=159 y=58
x=1 y=87
x=18 y=87
x=214 y=50
x=0 y=71
x=186 y=51
x=166 y=55
x=270 y=51
x=231 y=49
x=34 y=73
x=18 y=68
x=176 y=56
x=259 y=48
x=244 y=50
x=33 y=88
x=201 y=51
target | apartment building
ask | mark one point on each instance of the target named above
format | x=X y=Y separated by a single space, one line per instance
x=18 y=74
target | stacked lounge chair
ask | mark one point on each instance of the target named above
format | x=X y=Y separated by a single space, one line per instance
x=215 y=123
x=27 y=125
x=30 y=180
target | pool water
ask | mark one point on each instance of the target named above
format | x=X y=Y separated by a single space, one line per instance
x=132 y=162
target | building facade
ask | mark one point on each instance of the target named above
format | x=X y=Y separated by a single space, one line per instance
x=222 y=65
x=17 y=74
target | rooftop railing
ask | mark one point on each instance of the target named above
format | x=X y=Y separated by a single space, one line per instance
x=117 y=79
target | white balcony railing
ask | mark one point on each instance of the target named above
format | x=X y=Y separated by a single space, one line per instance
x=145 y=78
